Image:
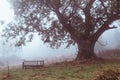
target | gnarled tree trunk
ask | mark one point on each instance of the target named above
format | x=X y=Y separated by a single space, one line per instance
x=85 y=50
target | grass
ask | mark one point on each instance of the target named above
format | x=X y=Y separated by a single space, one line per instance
x=86 y=71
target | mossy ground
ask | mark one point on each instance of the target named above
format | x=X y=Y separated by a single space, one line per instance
x=85 y=71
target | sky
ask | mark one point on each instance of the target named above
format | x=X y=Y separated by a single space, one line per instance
x=6 y=14
x=37 y=49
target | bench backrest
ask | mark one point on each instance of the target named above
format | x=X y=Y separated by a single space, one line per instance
x=33 y=63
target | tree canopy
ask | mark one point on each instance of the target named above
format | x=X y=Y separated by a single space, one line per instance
x=60 y=22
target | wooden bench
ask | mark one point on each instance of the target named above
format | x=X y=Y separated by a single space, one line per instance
x=33 y=64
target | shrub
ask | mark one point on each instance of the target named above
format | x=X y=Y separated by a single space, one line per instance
x=108 y=75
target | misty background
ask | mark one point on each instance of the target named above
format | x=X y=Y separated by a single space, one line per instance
x=37 y=50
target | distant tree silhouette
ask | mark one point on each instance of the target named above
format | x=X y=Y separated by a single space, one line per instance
x=1 y=22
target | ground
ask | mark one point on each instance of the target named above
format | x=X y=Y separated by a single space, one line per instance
x=70 y=71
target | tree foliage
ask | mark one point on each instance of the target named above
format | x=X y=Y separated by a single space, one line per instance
x=62 y=21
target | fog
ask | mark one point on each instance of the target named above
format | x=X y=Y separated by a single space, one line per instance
x=37 y=50
x=110 y=38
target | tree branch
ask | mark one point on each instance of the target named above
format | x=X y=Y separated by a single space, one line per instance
x=89 y=5
x=102 y=3
x=112 y=27
x=66 y=7
x=88 y=17
x=105 y=27
x=63 y=21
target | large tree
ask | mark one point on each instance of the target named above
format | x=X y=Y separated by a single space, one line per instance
x=59 y=22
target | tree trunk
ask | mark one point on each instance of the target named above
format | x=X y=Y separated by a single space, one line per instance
x=85 y=50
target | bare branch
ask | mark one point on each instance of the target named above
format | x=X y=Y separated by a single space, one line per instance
x=66 y=7
x=112 y=27
x=105 y=27
x=104 y=8
x=89 y=5
x=73 y=11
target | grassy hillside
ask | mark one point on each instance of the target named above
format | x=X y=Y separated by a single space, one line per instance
x=84 y=71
